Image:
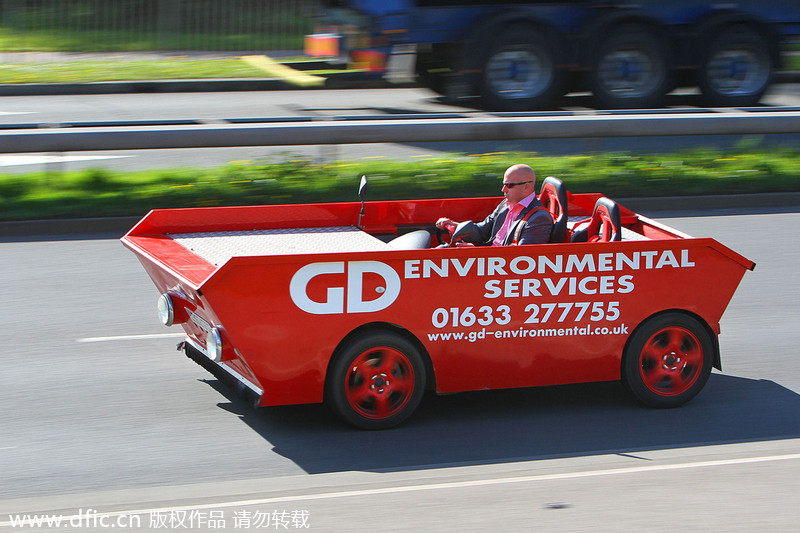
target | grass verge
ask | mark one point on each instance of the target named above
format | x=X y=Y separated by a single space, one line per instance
x=122 y=69
x=125 y=70
x=102 y=192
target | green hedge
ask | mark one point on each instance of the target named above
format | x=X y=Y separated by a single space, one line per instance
x=100 y=192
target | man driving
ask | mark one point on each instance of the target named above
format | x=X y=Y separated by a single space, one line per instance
x=519 y=219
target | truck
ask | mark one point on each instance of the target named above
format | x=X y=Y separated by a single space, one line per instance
x=365 y=307
x=525 y=55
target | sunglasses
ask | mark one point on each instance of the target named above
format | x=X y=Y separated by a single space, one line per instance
x=512 y=185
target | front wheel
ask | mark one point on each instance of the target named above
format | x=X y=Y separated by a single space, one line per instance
x=376 y=381
x=519 y=71
x=668 y=360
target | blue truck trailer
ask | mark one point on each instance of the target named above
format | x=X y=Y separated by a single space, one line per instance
x=524 y=55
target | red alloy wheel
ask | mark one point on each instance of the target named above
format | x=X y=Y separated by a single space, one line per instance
x=671 y=361
x=380 y=383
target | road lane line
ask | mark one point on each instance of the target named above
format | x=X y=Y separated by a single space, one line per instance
x=450 y=485
x=131 y=337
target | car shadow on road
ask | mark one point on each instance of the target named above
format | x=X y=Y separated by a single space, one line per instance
x=491 y=427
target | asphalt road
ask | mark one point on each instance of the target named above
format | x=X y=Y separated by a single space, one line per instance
x=100 y=412
x=319 y=104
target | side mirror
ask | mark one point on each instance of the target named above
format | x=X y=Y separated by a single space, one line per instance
x=362 y=188
x=462 y=230
x=362 y=193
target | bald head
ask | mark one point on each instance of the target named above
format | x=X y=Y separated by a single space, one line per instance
x=519 y=181
x=520 y=172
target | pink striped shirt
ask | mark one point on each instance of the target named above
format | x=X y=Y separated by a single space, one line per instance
x=513 y=212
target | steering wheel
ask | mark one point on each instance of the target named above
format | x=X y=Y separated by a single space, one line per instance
x=440 y=233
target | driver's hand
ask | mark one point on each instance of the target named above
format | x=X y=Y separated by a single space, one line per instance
x=445 y=223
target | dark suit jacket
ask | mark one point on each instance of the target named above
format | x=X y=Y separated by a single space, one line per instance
x=536 y=229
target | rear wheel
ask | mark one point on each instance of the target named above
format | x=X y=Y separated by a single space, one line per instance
x=668 y=360
x=376 y=381
x=631 y=69
x=736 y=69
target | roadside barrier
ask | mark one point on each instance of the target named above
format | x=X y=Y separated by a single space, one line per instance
x=405 y=129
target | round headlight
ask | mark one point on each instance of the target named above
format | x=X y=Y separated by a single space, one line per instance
x=214 y=345
x=166 y=312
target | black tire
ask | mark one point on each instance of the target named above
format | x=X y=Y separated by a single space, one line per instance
x=736 y=69
x=432 y=72
x=668 y=360
x=632 y=69
x=376 y=381
x=518 y=71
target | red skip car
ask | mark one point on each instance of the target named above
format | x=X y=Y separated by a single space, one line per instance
x=355 y=305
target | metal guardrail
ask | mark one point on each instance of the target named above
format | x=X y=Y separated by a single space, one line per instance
x=352 y=130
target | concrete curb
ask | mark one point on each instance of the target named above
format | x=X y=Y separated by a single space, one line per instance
x=114 y=226
x=345 y=80
x=711 y=203
x=717 y=204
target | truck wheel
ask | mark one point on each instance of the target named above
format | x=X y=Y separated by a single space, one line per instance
x=376 y=381
x=631 y=69
x=668 y=360
x=737 y=68
x=518 y=71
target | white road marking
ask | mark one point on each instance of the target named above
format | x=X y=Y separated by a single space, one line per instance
x=15 y=160
x=131 y=337
x=449 y=485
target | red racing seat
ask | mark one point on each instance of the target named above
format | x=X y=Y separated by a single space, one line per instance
x=604 y=226
x=554 y=198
